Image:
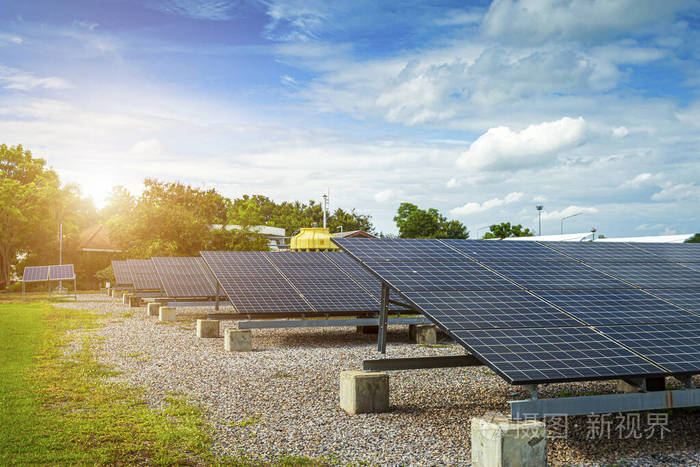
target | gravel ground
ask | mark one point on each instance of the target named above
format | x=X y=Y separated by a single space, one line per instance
x=282 y=398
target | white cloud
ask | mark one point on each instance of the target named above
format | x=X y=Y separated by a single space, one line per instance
x=679 y=191
x=640 y=180
x=643 y=227
x=384 y=196
x=501 y=148
x=539 y=199
x=10 y=38
x=568 y=211
x=473 y=207
x=620 y=132
x=453 y=183
x=148 y=149
x=18 y=80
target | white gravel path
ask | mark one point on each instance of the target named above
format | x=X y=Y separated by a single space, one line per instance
x=282 y=398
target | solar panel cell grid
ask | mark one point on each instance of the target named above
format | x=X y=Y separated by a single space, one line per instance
x=185 y=277
x=61 y=272
x=122 y=275
x=483 y=250
x=35 y=274
x=439 y=276
x=675 y=347
x=601 y=307
x=143 y=274
x=688 y=299
x=556 y=275
x=401 y=250
x=653 y=275
x=603 y=252
x=483 y=310
x=680 y=252
x=542 y=355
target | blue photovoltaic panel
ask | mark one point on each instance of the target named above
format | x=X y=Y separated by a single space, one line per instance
x=546 y=355
x=679 y=252
x=439 y=276
x=253 y=284
x=122 y=275
x=383 y=249
x=612 y=252
x=688 y=299
x=490 y=309
x=493 y=250
x=556 y=275
x=625 y=306
x=310 y=258
x=61 y=272
x=674 y=346
x=185 y=277
x=693 y=266
x=653 y=275
x=143 y=274
x=35 y=274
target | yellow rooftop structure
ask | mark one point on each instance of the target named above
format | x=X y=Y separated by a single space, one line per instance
x=312 y=239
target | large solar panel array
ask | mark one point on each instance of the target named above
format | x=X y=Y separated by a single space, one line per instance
x=540 y=312
x=56 y=272
x=122 y=275
x=296 y=283
x=143 y=274
x=185 y=277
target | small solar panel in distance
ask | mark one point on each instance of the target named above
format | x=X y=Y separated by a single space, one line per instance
x=61 y=272
x=556 y=275
x=185 y=277
x=402 y=250
x=35 y=274
x=674 y=346
x=484 y=250
x=144 y=274
x=688 y=299
x=653 y=275
x=679 y=252
x=439 y=276
x=121 y=272
x=548 y=355
x=612 y=252
x=253 y=284
x=489 y=309
x=625 y=306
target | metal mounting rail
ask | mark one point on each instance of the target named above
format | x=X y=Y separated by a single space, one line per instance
x=420 y=363
x=321 y=323
x=607 y=403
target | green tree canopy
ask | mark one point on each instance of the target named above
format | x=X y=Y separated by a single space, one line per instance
x=414 y=222
x=504 y=230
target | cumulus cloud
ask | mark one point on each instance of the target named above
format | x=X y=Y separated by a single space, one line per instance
x=620 y=132
x=501 y=148
x=384 y=196
x=18 y=80
x=472 y=208
x=568 y=211
x=640 y=180
x=148 y=149
x=676 y=192
x=453 y=183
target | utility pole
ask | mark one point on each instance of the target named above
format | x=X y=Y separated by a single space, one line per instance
x=325 y=208
x=539 y=218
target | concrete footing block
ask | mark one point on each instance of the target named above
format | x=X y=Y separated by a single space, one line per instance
x=207 y=328
x=497 y=441
x=422 y=333
x=125 y=298
x=367 y=329
x=152 y=309
x=117 y=293
x=625 y=387
x=364 y=392
x=238 y=340
x=166 y=313
x=134 y=301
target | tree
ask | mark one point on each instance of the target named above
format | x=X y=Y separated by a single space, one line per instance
x=414 y=222
x=504 y=230
x=694 y=239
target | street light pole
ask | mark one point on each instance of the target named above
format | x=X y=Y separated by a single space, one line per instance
x=539 y=218
x=568 y=217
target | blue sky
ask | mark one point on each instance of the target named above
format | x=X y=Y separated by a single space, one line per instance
x=479 y=109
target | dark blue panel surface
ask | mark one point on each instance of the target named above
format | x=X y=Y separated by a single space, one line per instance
x=556 y=275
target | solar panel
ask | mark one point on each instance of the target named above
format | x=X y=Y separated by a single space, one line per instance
x=439 y=276
x=487 y=250
x=253 y=284
x=556 y=275
x=626 y=306
x=143 y=274
x=298 y=257
x=688 y=299
x=680 y=252
x=185 y=277
x=489 y=309
x=613 y=252
x=674 y=346
x=383 y=249
x=35 y=274
x=61 y=272
x=547 y=355
x=122 y=275
x=693 y=266
x=653 y=275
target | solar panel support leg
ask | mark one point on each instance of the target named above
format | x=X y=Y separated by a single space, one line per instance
x=23 y=299
x=75 y=288
x=687 y=381
x=532 y=388
x=216 y=306
x=383 y=314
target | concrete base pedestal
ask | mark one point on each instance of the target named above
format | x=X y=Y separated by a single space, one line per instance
x=125 y=298
x=134 y=301
x=498 y=442
x=207 y=328
x=166 y=313
x=152 y=309
x=367 y=329
x=364 y=392
x=238 y=340
x=422 y=333
x=652 y=384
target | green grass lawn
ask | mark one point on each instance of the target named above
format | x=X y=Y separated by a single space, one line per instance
x=58 y=407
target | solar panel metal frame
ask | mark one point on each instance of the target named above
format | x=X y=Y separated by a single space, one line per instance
x=144 y=274
x=35 y=274
x=185 y=277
